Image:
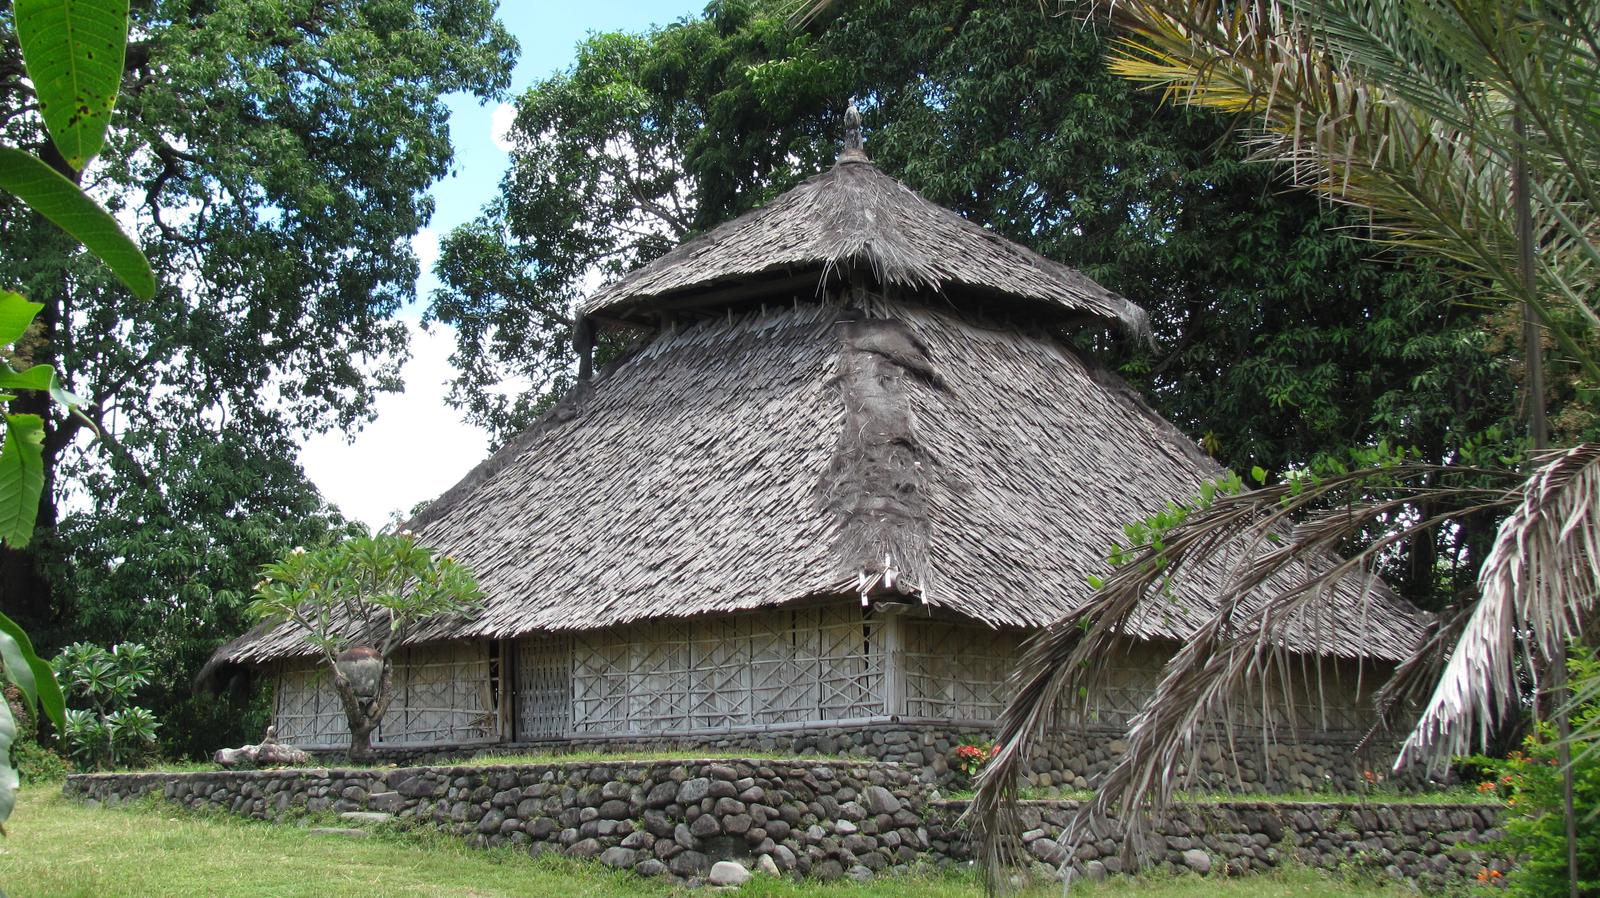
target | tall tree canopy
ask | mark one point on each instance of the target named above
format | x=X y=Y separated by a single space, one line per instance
x=273 y=158
x=1280 y=337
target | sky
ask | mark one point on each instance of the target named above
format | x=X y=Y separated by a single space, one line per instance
x=418 y=446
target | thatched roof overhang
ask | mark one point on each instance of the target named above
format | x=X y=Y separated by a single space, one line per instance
x=855 y=221
x=891 y=450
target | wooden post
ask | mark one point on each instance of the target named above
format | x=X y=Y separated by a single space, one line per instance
x=894 y=663
x=507 y=712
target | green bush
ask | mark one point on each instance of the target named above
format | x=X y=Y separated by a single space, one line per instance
x=1535 y=829
x=110 y=731
x=33 y=761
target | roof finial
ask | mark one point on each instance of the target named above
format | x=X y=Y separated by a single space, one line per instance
x=854 y=146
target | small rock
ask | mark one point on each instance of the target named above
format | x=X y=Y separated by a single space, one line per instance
x=728 y=873
x=651 y=867
x=1197 y=860
x=693 y=790
x=768 y=866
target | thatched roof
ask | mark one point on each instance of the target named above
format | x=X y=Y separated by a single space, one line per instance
x=854 y=217
x=808 y=451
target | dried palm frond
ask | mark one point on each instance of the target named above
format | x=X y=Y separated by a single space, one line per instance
x=1282 y=539
x=1540 y=588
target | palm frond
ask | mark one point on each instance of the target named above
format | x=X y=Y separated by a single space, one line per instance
x=1282 y=538
x=1540 y=587
x=1415 y=112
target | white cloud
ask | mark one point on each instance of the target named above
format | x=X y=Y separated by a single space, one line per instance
x=417 y=448
x=425 y=243
x=500 y=122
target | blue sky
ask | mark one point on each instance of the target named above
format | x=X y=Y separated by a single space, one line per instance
x=418 y=447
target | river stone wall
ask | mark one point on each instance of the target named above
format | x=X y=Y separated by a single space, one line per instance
x=1064 y=762
x=805 y=817
x=1429 y=845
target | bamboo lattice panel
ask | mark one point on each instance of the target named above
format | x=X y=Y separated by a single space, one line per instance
x=544 y=687
x=442 y=695
x=957 y=671
x=668 y=676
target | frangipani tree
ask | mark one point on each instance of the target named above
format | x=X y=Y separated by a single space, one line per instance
x=357 y=601
x=1466 y=128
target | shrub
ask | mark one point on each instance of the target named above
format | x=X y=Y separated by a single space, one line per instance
x=1535 y=829
x=110 y=731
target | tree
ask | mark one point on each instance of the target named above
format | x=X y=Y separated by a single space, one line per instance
x=274 y=158
x=1464 y=129
x=1298 y=345
x=356 y=602
x=175 y=571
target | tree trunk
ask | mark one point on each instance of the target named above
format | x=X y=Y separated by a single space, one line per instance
x=364 y=715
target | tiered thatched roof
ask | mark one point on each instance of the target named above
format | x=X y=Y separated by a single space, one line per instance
x=875 y=441
x=855 y=217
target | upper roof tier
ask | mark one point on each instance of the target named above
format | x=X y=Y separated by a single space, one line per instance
x=854 y=217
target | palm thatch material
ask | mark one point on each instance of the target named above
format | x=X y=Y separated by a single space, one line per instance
x=856 y=217
x=887 y=450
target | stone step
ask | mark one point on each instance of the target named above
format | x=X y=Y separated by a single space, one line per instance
x=366 y=818
x=343 y=832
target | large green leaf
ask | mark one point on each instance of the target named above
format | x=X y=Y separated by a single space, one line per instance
x=74 y=51
x=8 y=774
x=47 y=690
x=60 y=200
x=16 y=313
x=39 y=377
x=21 y=478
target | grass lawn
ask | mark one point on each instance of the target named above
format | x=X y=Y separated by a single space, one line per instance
x=57 y=849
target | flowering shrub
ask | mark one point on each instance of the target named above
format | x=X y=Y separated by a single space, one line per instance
x=973 y=758
x=1535 y=830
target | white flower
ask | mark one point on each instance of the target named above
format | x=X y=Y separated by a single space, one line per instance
x=298 y=550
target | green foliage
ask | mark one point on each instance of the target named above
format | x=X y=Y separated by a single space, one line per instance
x=272 y=159
x=1535 y=827
x=174 y=571
x=36 y=687
x=110 y=731
x=390 y=579
x=647 y=139
x=342 y=593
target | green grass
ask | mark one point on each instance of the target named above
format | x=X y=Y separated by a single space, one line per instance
x=58 y=849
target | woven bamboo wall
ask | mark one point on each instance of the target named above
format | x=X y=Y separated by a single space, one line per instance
x=674 y=676
x=958 y=671
x=444 y=694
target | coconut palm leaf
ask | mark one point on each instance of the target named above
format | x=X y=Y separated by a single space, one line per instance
x=1540 y=588
x=1282 y=539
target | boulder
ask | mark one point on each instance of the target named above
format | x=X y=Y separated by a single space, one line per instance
x=728 y=873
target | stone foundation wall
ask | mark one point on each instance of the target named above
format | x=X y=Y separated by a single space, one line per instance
x=804 y=817
x=1429 y=845
x=1066 y=762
